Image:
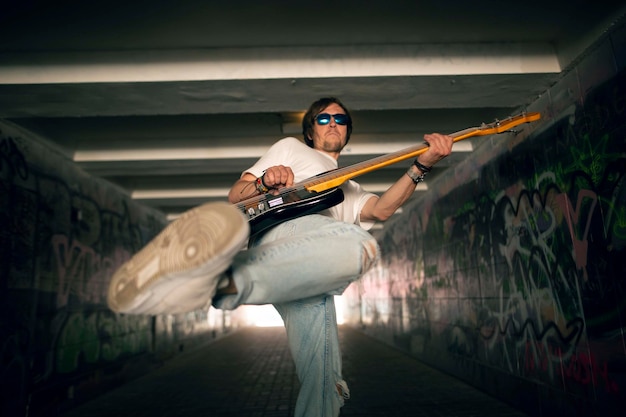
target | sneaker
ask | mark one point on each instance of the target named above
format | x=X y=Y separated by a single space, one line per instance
x=178 y=271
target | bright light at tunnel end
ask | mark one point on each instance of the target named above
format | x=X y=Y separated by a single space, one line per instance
x=267 y=316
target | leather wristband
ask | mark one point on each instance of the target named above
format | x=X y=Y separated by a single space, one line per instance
x=423 y=168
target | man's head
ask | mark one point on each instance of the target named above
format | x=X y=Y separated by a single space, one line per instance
x=317 y=108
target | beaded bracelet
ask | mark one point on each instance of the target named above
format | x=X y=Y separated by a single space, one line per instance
x=260 y=186
x=414 y=177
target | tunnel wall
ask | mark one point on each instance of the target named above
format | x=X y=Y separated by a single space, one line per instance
x=511 y=272
x=62 y=234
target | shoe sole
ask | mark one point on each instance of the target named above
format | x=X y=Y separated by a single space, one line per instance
x=184 y=259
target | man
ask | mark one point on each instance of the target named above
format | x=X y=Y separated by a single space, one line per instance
x=297 y=265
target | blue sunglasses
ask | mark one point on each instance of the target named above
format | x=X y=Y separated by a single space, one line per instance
x=324 y=118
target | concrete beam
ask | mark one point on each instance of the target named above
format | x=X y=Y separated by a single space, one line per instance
x=277 y=63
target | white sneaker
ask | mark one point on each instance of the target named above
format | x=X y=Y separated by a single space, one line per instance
x=178 y=271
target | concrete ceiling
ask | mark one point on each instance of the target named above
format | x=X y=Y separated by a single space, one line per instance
x=173 y=100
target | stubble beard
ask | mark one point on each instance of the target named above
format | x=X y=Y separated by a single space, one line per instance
x=330 y=145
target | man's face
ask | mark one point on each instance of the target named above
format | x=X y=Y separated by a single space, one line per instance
x=330 y=137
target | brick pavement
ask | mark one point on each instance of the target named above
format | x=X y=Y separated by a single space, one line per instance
x=250 y=373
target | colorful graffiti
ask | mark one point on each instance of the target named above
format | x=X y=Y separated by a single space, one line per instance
x=62 y=234
x=518 y=271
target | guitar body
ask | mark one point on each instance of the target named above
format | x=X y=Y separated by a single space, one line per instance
x=269 y=210
x=322 y=191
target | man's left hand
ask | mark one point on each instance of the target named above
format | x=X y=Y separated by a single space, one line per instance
x=439 y=146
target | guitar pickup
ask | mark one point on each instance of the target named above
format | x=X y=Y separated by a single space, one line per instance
x=275 y=202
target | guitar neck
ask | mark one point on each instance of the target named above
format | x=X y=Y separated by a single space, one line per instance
x=337 y=177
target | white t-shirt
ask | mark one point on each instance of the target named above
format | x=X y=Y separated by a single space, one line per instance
x=306 y=162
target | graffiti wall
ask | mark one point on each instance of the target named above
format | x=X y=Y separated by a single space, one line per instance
x=62 y=234
x=511 y=272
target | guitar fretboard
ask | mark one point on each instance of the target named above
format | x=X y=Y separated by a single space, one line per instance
x=339 y=176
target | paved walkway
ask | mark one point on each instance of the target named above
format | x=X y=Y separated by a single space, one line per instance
x=250 y=373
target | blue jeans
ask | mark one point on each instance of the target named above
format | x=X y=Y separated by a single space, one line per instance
x=299 y=266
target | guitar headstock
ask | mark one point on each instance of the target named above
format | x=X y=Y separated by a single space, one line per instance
x=500 y=126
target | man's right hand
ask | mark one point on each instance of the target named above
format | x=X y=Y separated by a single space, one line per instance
x=277 y=177
x=274 y=178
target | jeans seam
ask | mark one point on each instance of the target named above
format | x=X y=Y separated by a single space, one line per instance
x=326 y=353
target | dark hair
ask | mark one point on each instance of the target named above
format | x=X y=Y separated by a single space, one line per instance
x=309 y=117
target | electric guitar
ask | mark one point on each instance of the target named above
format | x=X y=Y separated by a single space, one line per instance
x=322 y=191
